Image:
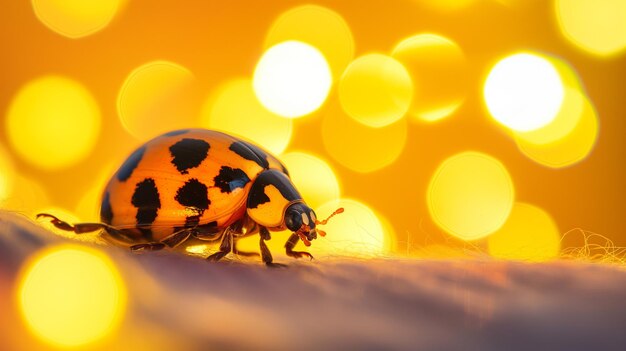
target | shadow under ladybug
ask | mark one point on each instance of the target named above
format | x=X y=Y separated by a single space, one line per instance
x=198 y=184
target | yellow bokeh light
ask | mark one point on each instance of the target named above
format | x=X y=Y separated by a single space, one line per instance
x=524 y=92
x=88 y=207
x=529 y=234
x=359 y=147
x=313 y=177
x=355 y=232
x=76 y=18
x=26 y=197
x=7 y=175
x=53 y=122
x=71 y=296
x=598 y=27
x=470 y=195
x=568 y=74
x=572 y=148
x=562 y=125
x=446 y=5
x=316 y=25
x=292 y=79
x=233 y=108
x=376 y=90
x=439 y=69
x=158 y=97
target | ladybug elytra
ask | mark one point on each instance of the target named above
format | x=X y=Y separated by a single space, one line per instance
x=198 y=184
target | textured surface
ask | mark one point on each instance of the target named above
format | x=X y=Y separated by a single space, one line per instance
x=393 y=304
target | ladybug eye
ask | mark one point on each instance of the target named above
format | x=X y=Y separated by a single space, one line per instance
x=305 y=219
x=293 y=221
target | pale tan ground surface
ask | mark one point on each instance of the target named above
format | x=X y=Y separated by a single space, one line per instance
x=178 y=302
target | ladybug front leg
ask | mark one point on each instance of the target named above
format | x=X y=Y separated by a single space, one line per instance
x=266 y=255
x=291 y=243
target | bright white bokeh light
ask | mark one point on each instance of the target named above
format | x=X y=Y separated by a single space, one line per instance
x=524 y=92
x=292 y=79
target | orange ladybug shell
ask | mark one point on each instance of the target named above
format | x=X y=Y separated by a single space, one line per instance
x=181 y=179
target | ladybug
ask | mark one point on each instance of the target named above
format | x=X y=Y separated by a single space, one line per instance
x=197 y=184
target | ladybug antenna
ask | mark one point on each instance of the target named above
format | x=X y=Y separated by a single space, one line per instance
x=338 y=211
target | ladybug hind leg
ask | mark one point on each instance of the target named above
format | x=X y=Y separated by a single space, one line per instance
x=171 y=241
x=81 y=228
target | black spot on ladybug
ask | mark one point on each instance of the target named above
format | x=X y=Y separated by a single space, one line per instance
x=230 y=179
x=282 y=166
x=192 y=221
x=146 y=199
x=146 y=233
x=250 y=152
x=274 y=177
x=130 y=164
x=106 y=213
x=176 y=132
x=189 y=153
x=193 y=195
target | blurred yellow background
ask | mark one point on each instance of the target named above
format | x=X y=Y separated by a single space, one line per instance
x=383 y=105
x=443 y=128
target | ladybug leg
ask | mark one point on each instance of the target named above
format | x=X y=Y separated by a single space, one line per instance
x=225 y=246
x=266 y=255
x=171 y=241
x=207 y=232
x=80 y=228
x=147 y=247
x=291 y=243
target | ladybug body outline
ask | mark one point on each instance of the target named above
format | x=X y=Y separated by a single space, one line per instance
x=198 y=184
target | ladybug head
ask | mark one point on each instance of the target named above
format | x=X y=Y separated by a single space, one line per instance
x=301 y=219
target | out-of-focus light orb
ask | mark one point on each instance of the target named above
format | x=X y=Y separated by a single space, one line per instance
x=7 y=175
x=562 y=125
x=529 y=234
x=439 y=69
x=233 y=108
x=446 y=5
x=292 y=79
x=76 y=18
x=71 y=296
x=389 y=233
x=572 y=148
x=88 y=207
x=158 y=97
x=355 y=232
x=524 y=92
x=53 y=122
x=359 y=147
x=569 y=75
x=312 y=176
x=319 y=26
x=376 y=90
x=26 y=196
x=470 y=195
x=598 y=27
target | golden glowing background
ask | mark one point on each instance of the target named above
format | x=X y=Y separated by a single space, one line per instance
x=439 y=120
x=439 y=126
